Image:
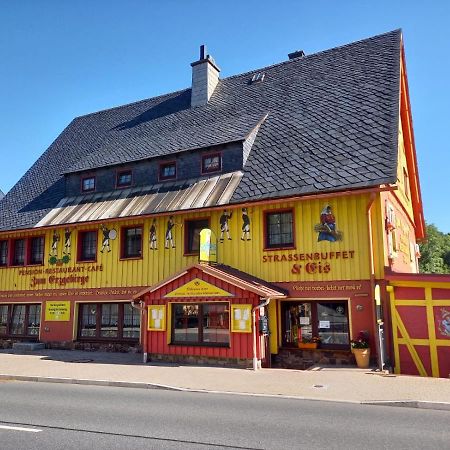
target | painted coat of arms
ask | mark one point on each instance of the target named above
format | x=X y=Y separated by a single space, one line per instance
x=444 y=322
x=327 y=227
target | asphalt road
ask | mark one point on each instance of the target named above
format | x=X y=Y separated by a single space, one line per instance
x=90 y=417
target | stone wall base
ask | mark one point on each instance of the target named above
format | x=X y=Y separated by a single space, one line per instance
x=303 y=359
x=7 y=343
x=86 y=346
x=201 y=360
x=118 y=347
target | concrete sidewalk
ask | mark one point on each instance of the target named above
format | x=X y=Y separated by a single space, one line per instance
x=319 y=383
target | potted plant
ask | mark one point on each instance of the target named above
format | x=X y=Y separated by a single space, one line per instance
x=309 y=342
x=361 y=350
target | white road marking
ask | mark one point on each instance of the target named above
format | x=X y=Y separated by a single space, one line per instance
x=31 y=430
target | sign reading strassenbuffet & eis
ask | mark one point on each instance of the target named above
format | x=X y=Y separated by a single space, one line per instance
x=311 y=263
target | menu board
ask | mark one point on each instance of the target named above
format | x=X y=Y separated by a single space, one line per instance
x=157 y=317
x=241 y=318
x=57 y=311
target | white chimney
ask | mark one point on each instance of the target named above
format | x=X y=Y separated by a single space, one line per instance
x=205 y=76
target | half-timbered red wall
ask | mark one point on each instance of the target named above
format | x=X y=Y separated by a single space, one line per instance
x=420 y=309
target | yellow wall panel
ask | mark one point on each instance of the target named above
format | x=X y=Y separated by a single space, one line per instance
x=344 y=259
x=379 y=236
x=404 y=192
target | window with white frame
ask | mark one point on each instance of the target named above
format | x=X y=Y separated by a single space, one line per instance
x=88 y=184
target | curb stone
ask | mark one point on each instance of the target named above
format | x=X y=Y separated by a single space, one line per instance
x=90 y=382
x=418 y=404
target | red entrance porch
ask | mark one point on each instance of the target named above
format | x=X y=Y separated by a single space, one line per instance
x=204 y=314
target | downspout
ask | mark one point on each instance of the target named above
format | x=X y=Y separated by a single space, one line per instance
x=266 y=301
x=372 y=268
x=370 y=233
x=143 y=310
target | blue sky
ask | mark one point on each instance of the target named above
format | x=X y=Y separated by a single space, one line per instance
x=62 y=59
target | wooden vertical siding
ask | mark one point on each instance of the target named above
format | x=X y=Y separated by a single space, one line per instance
x=247 y=256
x=405 y=260
x=405 y=200
x=240 y=343
x=404 y=192
x=378 y=232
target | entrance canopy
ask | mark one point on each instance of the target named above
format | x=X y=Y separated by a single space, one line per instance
x=227 y=274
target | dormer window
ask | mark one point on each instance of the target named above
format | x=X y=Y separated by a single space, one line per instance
x=211 y=163
x=168 y=170
x=88 y=184
x=124 y=178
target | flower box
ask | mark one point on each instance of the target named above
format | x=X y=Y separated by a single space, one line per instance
x=310 y=345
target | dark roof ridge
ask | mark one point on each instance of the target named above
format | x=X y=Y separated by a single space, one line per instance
x=249 y=72
x=319 y=53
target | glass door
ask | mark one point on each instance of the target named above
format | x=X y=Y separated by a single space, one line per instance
x=332 y=323
x=298 y=323
x=326 y=320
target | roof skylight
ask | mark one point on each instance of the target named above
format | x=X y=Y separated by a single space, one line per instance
x=258 y=77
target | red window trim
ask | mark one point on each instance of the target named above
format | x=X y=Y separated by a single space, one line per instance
x=12 y=252
x=266 y=236
x=122 y=242
x=85 y=178
x=79 y=241
x=209 y=155
x=8 y=252
x=27 y=257
x=28 y=251
x=121 y=172
x=27 y=305
x=8 y=318
x=186 y=234
x=163 y=164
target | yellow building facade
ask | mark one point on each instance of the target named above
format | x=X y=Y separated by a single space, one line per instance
x=308 y=205
x=306 y=260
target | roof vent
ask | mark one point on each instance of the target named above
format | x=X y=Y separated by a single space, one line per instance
x=258 y=77
x=296 y=54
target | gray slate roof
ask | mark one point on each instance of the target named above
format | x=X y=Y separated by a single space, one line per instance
x=185 y=130
x=332 y=124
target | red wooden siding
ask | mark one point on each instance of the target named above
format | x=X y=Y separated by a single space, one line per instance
x=241 y=344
